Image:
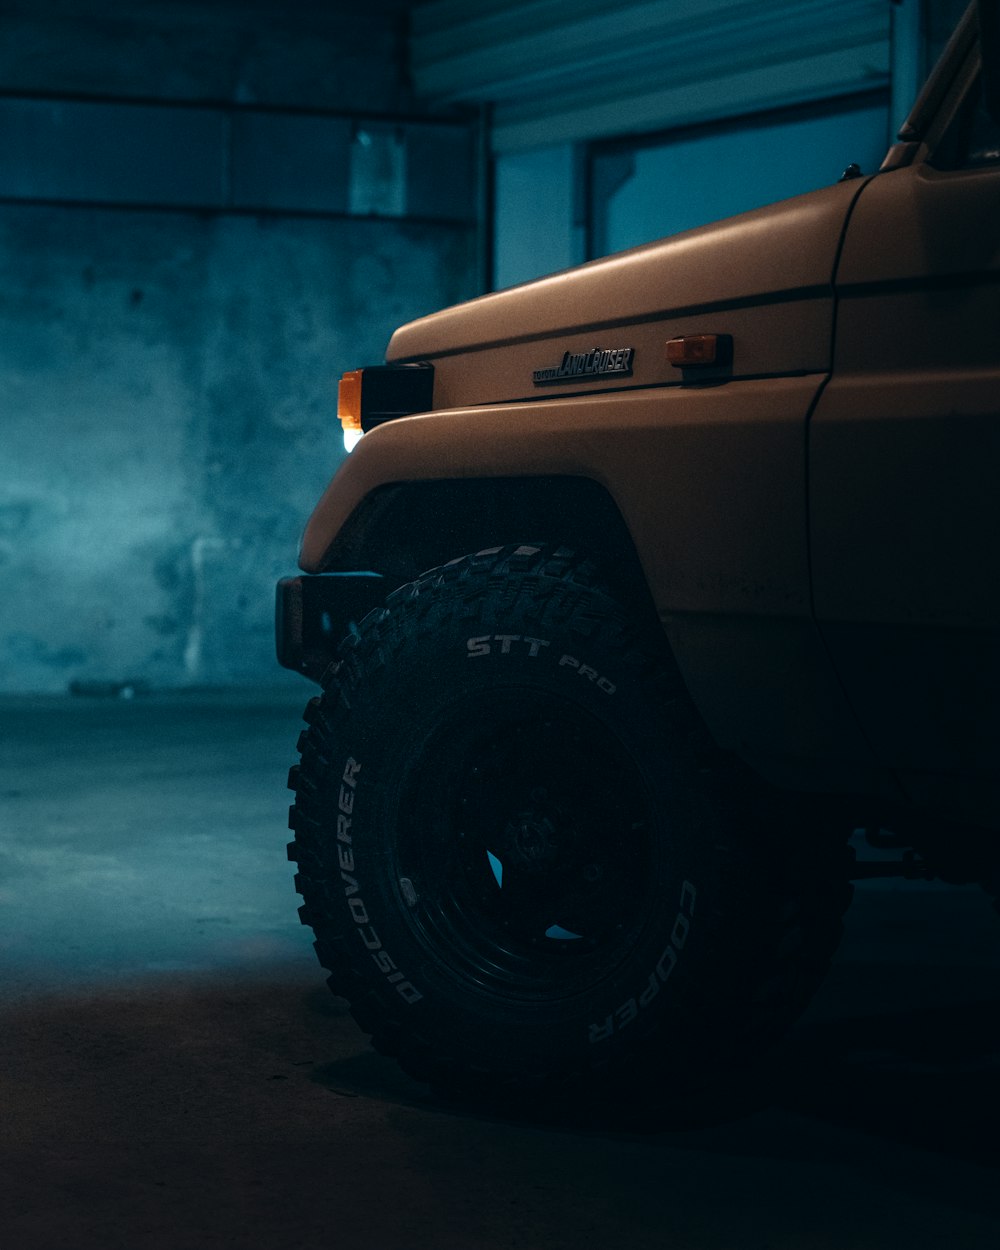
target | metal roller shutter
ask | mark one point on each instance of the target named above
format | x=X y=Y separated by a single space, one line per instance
x=559 y=73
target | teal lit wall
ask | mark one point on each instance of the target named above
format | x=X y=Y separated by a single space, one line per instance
x=207 y=213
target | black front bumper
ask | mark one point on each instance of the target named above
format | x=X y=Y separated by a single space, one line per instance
x=314 y=613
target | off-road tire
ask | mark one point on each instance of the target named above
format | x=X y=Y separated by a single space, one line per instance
x=693 y=912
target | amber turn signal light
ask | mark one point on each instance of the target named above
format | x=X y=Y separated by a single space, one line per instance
x=693 y=349
x=379 y=393
x=349 y=400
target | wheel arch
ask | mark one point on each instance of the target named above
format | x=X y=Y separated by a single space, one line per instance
x=402 y=529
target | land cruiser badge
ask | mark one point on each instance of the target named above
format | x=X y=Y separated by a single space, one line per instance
x=599 y=362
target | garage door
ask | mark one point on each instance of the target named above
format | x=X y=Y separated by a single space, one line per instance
x=558 y=73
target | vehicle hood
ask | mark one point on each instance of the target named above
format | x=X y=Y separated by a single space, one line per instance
x=764 y=279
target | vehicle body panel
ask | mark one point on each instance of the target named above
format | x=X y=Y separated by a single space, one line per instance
x=904 y=454
x=769 y=287
x=763 y=277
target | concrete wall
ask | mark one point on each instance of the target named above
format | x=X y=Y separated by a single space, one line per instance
x=168 y=376
x=327 y=54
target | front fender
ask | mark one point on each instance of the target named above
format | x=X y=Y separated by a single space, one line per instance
x=710 y=483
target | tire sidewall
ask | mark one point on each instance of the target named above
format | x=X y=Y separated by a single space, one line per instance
x=385 y=705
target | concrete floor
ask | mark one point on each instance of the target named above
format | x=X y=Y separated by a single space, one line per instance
x=173 y=1072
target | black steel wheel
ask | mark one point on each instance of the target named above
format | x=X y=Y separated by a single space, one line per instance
x=522 y=856
x=526 y=876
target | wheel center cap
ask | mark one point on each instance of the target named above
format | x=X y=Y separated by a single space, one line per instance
x=533 y=839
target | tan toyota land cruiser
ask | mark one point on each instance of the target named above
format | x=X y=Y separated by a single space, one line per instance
x=646 y=585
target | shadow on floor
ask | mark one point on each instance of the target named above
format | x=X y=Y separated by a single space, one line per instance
x=250 y=1109
x=927 y=1079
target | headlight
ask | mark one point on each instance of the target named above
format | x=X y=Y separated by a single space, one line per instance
x=349 y=407
x=368 y=397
